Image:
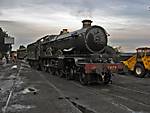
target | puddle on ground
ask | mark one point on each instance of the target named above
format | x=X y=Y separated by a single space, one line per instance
x=29 y=90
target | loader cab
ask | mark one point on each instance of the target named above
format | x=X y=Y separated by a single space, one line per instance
x=139 y=63
x=142 y=66
x=141 y=52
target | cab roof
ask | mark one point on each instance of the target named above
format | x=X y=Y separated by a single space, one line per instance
x=143 y=48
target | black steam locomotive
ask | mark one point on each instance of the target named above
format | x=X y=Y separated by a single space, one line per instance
x=82 y=54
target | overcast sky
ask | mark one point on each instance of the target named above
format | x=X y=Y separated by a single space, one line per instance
x=127 y=21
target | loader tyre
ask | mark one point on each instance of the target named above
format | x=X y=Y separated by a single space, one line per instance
x=139 y=70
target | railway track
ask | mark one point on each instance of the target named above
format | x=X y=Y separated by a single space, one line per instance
x=12 y=89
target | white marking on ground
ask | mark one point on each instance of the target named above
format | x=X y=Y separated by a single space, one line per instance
x=18 y=107
x=117 y=96
x=9 y=97
x=131 y=89
x=124 y=98
x=14 y=67
x=4 y=109
x=126 y=108
x=12 y=76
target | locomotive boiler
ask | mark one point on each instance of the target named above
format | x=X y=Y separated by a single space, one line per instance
x=89 y=39
x=82 y=54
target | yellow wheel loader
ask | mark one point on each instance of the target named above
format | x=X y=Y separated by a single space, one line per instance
x=139 y=63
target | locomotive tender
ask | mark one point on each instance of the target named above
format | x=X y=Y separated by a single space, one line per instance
x=83 y=54
x=21 y=53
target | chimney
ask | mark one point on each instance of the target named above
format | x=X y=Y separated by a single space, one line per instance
x=64 y=31
x=86 y=23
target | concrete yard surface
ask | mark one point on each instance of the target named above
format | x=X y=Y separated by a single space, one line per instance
x=25 y=90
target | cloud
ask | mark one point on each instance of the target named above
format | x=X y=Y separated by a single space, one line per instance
x=132 y=10
x=125 y=20
x=1 y=13
x=26 y=33
x=131 y=43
